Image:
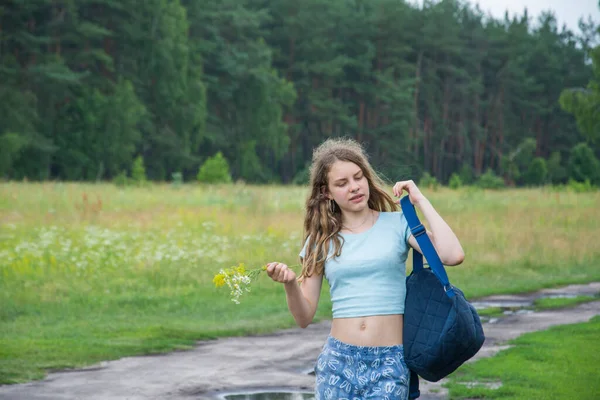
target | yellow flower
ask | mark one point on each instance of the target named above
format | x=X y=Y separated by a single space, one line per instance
x=241 y=269
x=219 y=280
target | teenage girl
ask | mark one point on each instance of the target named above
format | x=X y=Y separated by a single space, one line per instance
x=355 y=236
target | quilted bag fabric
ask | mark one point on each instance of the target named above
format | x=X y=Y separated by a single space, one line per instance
x=441 y=328
x=440 y=332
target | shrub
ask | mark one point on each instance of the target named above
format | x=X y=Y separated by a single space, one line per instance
x=490 y=180
x=466 y=174
x=537 y=172
x=302 y=177
x=429 y=181
x=138 y=171
x=583 y=164
x=455 y=181
x=580 y=187
x=214 y=170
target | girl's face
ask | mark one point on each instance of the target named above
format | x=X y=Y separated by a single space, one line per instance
x=348 y=186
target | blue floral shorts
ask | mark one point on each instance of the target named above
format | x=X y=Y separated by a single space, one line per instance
x=347 y=372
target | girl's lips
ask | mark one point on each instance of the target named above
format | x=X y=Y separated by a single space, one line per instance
x=357 y=199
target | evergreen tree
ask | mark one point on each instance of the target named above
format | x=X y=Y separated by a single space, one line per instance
x=440 y=88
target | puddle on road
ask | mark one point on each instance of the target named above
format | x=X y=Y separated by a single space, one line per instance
x=480 y=305
x=271 y=396
x=514 y=306
x=507 y=306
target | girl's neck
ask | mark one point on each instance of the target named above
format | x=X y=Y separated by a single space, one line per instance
x=359 y=221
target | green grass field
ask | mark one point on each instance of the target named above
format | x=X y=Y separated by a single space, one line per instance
x=93 y=272
x=558 y=364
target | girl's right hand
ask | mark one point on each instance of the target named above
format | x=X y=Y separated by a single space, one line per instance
x=280 y=273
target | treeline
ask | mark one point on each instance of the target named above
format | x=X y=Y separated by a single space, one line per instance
x=87 y=86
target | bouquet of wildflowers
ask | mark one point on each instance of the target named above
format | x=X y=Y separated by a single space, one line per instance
x=238 y=279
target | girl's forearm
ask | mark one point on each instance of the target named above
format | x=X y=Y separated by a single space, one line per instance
x=445 y=241
x=301 y=309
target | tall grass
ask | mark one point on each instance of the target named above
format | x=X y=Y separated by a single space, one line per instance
x=93 y=272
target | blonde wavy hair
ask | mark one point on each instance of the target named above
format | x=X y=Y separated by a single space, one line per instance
x=322 y=224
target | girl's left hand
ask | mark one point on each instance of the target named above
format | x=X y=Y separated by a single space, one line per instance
x=414 y=194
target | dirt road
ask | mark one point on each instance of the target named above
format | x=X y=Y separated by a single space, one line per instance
x=278 y=361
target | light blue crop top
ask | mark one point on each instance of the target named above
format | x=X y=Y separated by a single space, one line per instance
x=369 y=277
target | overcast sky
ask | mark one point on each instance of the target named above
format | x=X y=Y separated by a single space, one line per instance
x=566 y=11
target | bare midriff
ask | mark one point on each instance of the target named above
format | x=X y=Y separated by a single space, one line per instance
x=377 y=330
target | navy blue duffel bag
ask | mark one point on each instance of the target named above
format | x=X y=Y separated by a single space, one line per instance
x=441 y=328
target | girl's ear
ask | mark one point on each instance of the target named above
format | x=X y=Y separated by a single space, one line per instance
x=325 y=192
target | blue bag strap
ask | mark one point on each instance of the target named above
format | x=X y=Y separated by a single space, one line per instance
x=420 y=233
